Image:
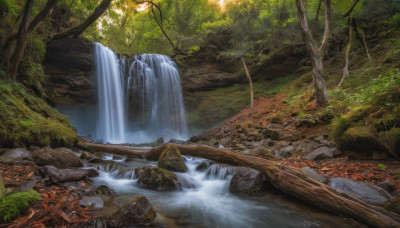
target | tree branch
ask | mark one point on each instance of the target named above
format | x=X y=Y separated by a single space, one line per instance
x=324 y=43
x=351 y=9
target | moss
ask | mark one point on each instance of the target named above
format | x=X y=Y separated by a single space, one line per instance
x=360 y=138
x=28 y=120
x=358 y=113
x=275 y=118
x=171 y=159
x=2 y=188
x=393 y=205
x=391 y=140
x=268 y=133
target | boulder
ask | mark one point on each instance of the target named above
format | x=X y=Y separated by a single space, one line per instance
x=171 y=159
x=157 y=178
x=247 y=180
x=285 y=152
x=92 y=203
x=306 y=121
x=320 y=153
x=61 y=158
x=268 y=133
x=64 y=175
x=105 y=190
x=366 y=192
x=393 y=204
x=139 y=212
x=313 y=174
x=202 y=166
x=14 y=155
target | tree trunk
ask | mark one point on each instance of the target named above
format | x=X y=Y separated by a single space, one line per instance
x=346 y=66
x=36 y=21
x=251 y=86
x=22 y=37
x=288 y=180
x=77 y=30
x=316 y=54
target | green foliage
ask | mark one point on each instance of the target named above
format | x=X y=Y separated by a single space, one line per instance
x=12 y=205
x=381 y=166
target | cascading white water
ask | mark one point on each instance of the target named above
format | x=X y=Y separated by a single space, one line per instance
x=140 y=99
x=157 y=103
x=111 y=120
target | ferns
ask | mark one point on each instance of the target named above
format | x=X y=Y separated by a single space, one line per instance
x=11 y=205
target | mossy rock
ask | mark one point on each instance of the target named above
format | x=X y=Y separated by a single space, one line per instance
x=274 y=118
x=359 y=113
x=105 y=190
x=202 y=166
x=157 y=178
x=391 y=140
x=268 y=133
x=262 y=152
x=62 y=158
x=138 y=212
x=171 y=159
x=393 y=204
x=361 y=139
x=306 y=121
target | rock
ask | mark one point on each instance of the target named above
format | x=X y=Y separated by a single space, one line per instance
x=202 y=166
x=379 y=155
x=313 y=174
x=33 y=148
x=320 y=153
x=139 y=212
x=268 y=133
x=291 y=137
x=69 y=64
x=171 y=159
x=25 y=186
x=14 y=155
x=92 y=203
x=254 y=136
x=157 y=178
x=105 y=190
x=307 y=121
x=95 y=160
x=247 y=180
x=262 y=152
x=63 y=175
x=393 y=204
x=194 y=139
x=61 y=158
x=240 y=146
x=285 y=152
x=387 y=186
x=366 y=192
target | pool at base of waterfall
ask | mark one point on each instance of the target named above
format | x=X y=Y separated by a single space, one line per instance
x=205 y=201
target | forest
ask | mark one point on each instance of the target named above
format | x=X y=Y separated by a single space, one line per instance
x=199 y=113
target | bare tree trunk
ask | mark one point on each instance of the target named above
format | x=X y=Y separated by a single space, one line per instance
x=77 y=30
x=345 y=73
x=351 y=8
x=251 y=86
x=360 y=39
x=288 y=180
x=316 y=54
x=22 y=37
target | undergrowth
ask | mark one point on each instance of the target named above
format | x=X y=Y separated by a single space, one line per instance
x=27 y=119
x=12 y=205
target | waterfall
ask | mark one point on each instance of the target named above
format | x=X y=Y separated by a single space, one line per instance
x=111 y=121
x=157 y=104
x=139 y=99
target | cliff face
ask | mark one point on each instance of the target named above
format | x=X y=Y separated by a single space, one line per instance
x=69 y=64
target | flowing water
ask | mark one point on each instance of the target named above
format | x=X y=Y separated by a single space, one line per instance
x=205 y=200
x=139 y=100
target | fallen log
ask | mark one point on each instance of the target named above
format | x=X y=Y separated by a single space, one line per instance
x=288 y=180
x=112 y=149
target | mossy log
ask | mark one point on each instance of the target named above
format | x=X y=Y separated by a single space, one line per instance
x=288 y=180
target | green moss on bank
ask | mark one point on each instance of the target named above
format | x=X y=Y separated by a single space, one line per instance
x=26 y=119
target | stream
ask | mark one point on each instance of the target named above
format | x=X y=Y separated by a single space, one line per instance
x=205 y=200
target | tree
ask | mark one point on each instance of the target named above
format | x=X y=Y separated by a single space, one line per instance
x=77 y=30
x=316 y=53
x=22 y=37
